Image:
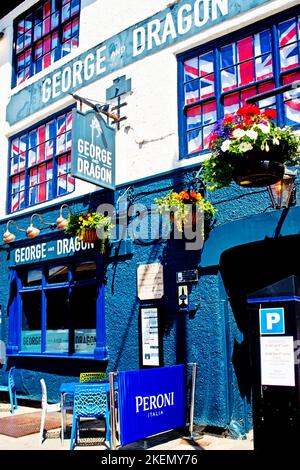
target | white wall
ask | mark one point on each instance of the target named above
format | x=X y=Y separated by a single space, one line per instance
x=147 y=142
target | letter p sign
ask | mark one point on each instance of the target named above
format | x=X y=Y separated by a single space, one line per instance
x=271 y=321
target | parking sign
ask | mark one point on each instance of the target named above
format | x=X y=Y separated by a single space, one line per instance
x=271 y=321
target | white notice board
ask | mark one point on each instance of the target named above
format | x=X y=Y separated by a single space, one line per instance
x=150 y=341
x=277 y=360
x=150 y=281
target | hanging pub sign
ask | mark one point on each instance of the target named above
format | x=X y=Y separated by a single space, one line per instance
x=93 y=149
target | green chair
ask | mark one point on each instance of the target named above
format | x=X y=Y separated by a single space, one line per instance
x=92 y=377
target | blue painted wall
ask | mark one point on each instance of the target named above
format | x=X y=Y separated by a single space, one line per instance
x=210 y=335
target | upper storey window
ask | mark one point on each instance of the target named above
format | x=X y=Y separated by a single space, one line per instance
x=44 y=34
x=216 y=79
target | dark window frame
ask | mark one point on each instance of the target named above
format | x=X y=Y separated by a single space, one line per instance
x=26 y=170
x=33 y=43
x=215 y=46
x=100 y=351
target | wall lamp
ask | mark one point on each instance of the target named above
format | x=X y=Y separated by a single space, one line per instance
x=32 y=231
x=283 y=193
x=61 y=222
x=9 y=237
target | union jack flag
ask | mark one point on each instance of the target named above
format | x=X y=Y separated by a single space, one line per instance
x=64 y=136
x=191 y=76
x=17 y=192
x=262 y=49
x=289 y=57
x=65 y=182
x=194 y=141
x=292 y=101
x=193 y=117
x=206 y=67
x=18 y=155
x=209 y=117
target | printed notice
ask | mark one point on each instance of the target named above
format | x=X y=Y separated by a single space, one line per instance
x=277 y=361
x=150 y=279
x=150 y=346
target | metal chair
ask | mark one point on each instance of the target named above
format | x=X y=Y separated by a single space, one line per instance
x=92 y=377
x=11 y=389
x=90 y=401
x=48 y=408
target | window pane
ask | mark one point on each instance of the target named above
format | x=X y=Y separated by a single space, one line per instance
x=192 y=93
x=289 y=53
x=193 y=117
x=246 y=67
x=292 y=101
x=264 y=61
x=31 y=322
x=191 y=69
x=84 y=318
x=57 y=274
x=32 y=277
x=85 y=270
x=57 y=334
x=195 y=141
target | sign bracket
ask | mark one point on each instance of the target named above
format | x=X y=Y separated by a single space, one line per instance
x=104 y=108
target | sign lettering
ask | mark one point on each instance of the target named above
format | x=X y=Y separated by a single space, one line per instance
x=53 y=249
x=93 y=149
x=169 y=26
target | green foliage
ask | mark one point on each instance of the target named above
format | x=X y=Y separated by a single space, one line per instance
x=78 y=223
x=180 y=204
x=248 y=131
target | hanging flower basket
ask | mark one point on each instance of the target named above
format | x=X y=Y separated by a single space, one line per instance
x=248 y=148
x=191 y=219
x=85 y=227
x=186 y=209
x=90 y=236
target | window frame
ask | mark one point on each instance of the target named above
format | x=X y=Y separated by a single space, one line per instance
x=34 y=42
x=15 y=313
x=26 y=171
x=215 y=46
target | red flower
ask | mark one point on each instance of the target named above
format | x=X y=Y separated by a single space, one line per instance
x=212 y=138
x=270 y=113
x=228 y=119
x=250 y=110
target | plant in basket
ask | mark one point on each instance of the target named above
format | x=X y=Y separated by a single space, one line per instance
x=88 y=226
x=185 y=207
x=249 y=148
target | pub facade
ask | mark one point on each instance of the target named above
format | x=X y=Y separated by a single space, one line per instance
x=160 y=74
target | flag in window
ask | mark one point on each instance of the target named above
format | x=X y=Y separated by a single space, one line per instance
x=288 y=44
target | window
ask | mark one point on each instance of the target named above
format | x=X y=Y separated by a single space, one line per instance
x=58 y=309
x=43 y=35
x=216 y=80
x=40 y=163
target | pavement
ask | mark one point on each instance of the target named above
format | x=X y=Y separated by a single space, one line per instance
x=169 y=441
